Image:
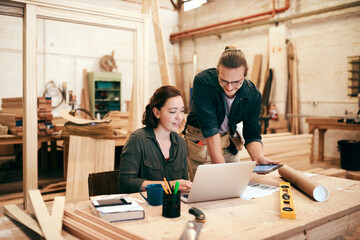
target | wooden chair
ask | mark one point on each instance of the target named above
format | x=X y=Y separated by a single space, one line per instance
x=103 y=183
x=87 y=155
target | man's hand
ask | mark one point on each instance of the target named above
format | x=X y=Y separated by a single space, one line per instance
x=262 y=160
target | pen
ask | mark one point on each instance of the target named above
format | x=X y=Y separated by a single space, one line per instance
x=166 y=191
x=176 y=187
x=167 y=185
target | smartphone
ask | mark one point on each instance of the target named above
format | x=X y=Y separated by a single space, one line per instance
x=110 y=202
x=266 y=168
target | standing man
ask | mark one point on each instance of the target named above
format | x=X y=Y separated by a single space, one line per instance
x=222 y=98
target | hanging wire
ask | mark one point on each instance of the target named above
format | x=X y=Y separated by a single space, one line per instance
x=55 y=92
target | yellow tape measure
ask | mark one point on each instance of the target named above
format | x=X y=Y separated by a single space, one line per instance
x=286 y=201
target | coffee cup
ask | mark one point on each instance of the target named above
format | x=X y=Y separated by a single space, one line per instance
x=154 y=194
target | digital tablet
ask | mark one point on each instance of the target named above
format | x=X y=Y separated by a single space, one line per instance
x=110 y=202
x=266 y=168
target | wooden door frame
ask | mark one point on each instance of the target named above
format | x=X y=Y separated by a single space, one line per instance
x=78 y=13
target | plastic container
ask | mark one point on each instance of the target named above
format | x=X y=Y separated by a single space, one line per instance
x=349 y=154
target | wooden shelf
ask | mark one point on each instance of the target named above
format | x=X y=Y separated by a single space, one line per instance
x=104 y=88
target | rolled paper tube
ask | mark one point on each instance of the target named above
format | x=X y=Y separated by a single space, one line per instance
x=318 y=192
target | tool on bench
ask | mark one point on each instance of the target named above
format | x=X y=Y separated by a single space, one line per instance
x=193 y=228
x=286 y=201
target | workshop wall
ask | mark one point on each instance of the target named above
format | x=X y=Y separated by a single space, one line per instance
x=323 y=42
x=65 y=49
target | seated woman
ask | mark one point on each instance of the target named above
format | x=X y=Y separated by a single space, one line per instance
x=156 y=151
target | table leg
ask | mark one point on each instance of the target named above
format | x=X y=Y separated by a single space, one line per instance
x=312 y=149
x=321 y=145
x=44 y=156
x=66 y=153
x=53 y=155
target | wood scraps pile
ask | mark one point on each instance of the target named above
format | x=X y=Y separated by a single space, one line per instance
x=12 y=115
x=64 y=224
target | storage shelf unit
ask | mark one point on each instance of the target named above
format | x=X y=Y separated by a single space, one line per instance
x=105 y=92
x=354 y=76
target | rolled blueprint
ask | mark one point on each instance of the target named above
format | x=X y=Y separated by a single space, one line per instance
x=318 y=192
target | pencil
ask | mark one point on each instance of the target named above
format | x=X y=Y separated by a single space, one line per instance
x=167 y=185
x=166 y=191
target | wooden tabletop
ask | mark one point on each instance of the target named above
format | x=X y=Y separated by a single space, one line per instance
x=13 y=139
x=246 y=219
x=330 y=123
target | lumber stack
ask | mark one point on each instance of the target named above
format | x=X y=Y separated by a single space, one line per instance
x=3 y=129
x=287 y=148
x=12 y=115
x=87 y=226
x=78 y=223
x=119 y=122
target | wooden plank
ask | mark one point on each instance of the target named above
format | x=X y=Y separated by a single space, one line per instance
x=86 y=93
x=180 y=83
x=256 y=70
x=333 y=172
x=264 y=72
x=354 y=175
x=15 y=11
x=101 y=222
x=295 y=95
x=82 y=104
x=19 y=215
x=329 y=230
x=57 y=211
x=293 y=88
x=160 y=46
x=88 y=223
x=273 y=135
x=30 y=163
x=145 y=6
x=288 y=138
x=46 y=223
x=289 y=143
x=87 y=155
x=81 y=231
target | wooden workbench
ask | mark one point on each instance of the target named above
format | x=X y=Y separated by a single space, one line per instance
x=42 y=141
x=246 y=219
x=323 y=124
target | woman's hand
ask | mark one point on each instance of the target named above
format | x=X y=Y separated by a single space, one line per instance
x=184 y=185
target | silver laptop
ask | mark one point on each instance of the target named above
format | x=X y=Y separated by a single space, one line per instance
x=219 y=181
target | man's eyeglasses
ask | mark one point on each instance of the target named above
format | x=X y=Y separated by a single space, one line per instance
x=224 y=83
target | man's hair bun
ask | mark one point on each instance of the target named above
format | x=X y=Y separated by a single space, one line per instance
x=230 y=47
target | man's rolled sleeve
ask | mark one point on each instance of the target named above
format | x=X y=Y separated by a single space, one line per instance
x=252 y=126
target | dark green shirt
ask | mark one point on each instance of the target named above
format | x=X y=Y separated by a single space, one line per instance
x=142 y=159
x=208 y=108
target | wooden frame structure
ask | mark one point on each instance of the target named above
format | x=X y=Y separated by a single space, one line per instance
x=78 y=13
